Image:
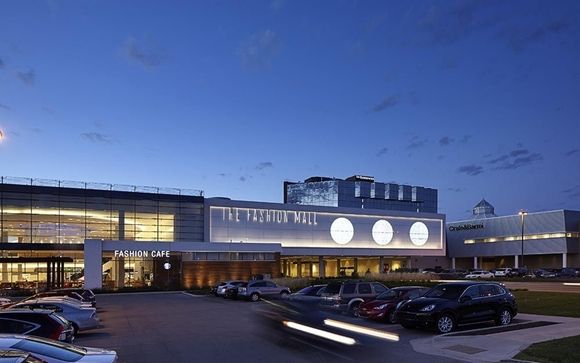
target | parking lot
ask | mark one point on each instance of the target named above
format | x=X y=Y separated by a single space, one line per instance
x=178 y=327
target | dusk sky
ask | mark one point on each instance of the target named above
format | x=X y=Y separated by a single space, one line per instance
x=478 y=99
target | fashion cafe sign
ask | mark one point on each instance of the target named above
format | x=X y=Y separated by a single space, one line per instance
x=255 y=215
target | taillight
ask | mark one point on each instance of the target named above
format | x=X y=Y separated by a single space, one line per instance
x=58 y=334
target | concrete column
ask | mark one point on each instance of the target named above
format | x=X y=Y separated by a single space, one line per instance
x=453 y=263
x=53 y=272
x=516 y=261
x=475 y=262
x=381 y=264
x=321 y=267
x=48 y=275
x=310 y=269
x=58 y=267
x=338 y=267
x=121 y=225
x=409 y=262
x=355 y=265
x=93 y=257
x=4 y=272
x=120 y=273
x=564 y=260
x=299 y=268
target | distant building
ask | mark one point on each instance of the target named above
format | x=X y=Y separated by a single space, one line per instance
x=550 y=239
x=360 y=192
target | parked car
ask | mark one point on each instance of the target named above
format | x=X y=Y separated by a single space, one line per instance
x=70 y=294
x=4 y=301
x=86 y=294
x=503 y=272
x=570 y=272
x=310 y=294
x=80 y=317
x=66 y=299
x=17 y=356
x=347 y=296
x=221 y=290
x=42 y=323
x=545 y=274
x=384 y=307
x=479 y=274
x=213 y=289
x=56 y=352
x=448 y=305
x=254 y=290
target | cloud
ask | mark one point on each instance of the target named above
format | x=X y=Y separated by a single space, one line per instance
x=264 y=165
x=519 y=162
x=572 y=152
x=28 y=78
x=470 y=169
x=5 y=107
x=388 y=102
x=519 y=152
x=277 y=5
x=456 y=190
x=573 y=192
x=2 y=64
x=519 y=38
x=259 y=50
x=382 y=151
x=243 y=178
x=96 y=137
x=146 y=53
x=465 y=139
x=446 y=140
x=416 y=142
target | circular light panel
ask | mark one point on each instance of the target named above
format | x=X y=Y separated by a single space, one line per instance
x=341 y=231
x=419 y=233
x=382 y=232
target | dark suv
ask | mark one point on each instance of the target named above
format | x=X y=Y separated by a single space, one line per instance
x=42 y=323
x=446 y=306
x=347 y=296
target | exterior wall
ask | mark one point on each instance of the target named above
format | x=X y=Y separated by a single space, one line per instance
x=198 y=274
x=362 y=194
x=313 y=231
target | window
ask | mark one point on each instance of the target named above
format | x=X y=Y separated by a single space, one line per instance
x=15 y=326
x=56 y=350
x=270 y=284
x=413 y=294
x=472 y=291
x=348 y=288
x=259 y=284
x=364 y=289
x=379 y=288
x=490 y=290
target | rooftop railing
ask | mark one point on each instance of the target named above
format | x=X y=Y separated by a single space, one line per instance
x=99 y=186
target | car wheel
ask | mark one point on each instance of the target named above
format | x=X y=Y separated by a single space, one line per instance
x=284 y=294
x=445 y=324
x=254 y=297
x=505 y=317
x=392 y=318
x=355 y=309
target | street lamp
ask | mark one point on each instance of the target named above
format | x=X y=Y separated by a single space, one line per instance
x=523 y=214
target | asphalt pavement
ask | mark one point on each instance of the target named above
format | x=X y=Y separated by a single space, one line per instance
x=178 y=327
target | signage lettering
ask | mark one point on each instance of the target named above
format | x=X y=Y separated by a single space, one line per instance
x=254 y=215
x=463 y=227
x=154 y=254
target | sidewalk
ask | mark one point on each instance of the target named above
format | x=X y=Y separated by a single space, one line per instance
x=499 y=346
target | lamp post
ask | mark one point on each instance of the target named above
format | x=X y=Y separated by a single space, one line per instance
x=523 y=214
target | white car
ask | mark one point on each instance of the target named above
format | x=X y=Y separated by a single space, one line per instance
x=82 y=318
x=479 y=275
x=56 y=352
x=221 y=290
x=503 y=272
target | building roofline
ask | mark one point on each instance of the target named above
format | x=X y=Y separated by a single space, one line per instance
x=514 y=215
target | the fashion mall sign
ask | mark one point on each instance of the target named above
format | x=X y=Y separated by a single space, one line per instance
x=255 y=215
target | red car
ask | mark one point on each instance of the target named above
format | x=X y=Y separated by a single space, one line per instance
x=384 y=306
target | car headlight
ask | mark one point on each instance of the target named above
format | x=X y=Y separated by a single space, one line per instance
x=380 y=307
x=427 y=308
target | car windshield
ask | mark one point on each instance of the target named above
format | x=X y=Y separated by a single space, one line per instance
x=449 y=292
x=390 y=294
x=307 y=290
x=57 y=350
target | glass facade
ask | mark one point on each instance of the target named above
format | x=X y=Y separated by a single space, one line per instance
x=362 y=194
x=44 y=218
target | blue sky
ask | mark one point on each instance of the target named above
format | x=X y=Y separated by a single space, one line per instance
x=474 y=98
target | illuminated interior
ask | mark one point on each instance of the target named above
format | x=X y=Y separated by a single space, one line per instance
x=526 y=237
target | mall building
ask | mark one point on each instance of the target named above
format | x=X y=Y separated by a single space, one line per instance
x=57 y=233
x=535 y=240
